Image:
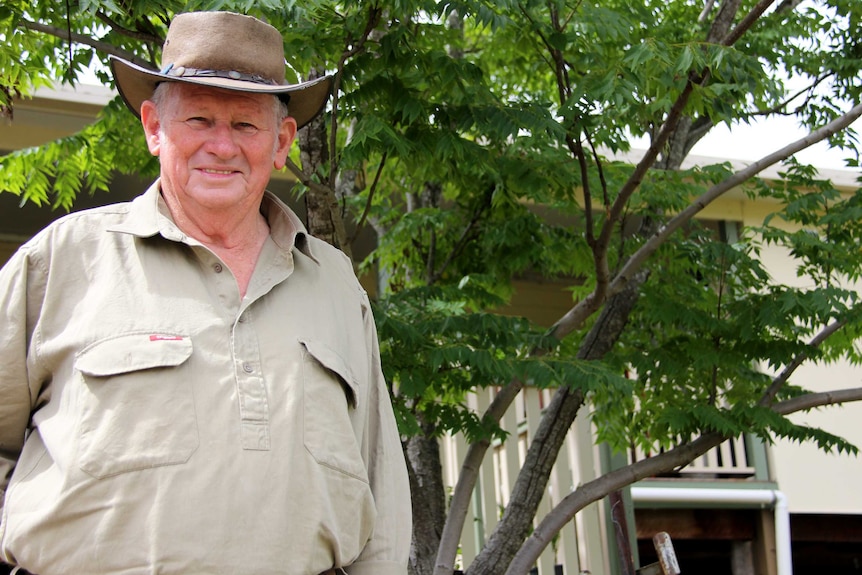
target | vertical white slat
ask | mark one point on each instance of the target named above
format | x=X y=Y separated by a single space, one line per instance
x=590 y=522
x=489 y=493
x=567 y=554
x=534 y=416
x=469 y=543
x=511 y=451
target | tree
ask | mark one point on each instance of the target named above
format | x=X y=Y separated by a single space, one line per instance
x=451 y=121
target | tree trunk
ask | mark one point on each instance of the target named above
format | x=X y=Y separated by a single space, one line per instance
x=517 y=521
x=324 y=218
x=429 y=499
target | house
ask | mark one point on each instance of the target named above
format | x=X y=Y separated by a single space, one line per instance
x=745 y=508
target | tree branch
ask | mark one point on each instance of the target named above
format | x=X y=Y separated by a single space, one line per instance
x=465 y=237
x=723 y=20
x=134 y=34
x=103 y=47
x=587 y=306
x=598 y=488
x=706 y=10
x=781 y=379
x=371 y=192
x=821 y=399
x=747 y=22
x=639 y=258
x=777 y=108
x=459 y=504
x=374 y=15
x=678 y=456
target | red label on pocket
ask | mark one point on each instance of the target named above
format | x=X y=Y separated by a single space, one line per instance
x=161 y=337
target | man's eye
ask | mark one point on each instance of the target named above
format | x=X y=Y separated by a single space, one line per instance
x=198 y=123
x=245 y=127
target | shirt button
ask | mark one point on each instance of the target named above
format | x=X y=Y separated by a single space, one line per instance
x=246 y=367
x=217 y=268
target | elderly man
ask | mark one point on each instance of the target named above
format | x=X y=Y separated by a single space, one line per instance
x=190 y=383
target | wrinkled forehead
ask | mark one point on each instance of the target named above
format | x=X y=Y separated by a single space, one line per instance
x=179 y=97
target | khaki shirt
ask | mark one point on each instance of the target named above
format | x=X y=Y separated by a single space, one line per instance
x=174 y=428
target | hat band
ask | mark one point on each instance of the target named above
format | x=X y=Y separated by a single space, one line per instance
x=185 y=72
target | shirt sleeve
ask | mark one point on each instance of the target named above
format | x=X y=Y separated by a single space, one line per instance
x=388 y=550
x=17 y=397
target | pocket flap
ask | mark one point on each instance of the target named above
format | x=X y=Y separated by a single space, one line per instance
x=133 y=352
x=334 y=362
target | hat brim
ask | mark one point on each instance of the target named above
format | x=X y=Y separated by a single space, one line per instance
x=136 y=84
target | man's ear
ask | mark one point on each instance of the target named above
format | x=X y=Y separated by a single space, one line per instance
x=286 y=135
x=152 y=126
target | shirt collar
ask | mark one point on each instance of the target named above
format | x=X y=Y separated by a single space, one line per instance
x=149 y=216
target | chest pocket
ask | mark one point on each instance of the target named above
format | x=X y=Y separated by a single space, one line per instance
x=330 y=393
x=136 y=403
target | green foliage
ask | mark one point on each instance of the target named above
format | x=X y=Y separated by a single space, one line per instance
x=56 y=172
x=713 y=329
x=439 y=344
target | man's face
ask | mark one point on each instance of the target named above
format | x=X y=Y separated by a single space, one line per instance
x=217 y=148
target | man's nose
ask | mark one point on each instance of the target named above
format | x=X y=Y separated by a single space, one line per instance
x=221 y=139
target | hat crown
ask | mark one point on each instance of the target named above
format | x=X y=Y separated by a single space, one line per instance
x=225 y=42
x=226 y=51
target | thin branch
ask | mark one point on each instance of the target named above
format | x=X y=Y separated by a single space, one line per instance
x=133 y=34
x=782 y=378
x=787 y=6
x=821 y=399
x=606 y=200
x=639 y=257
x=577 y=150
x=371 y=191
x=354 y=48
x=69 y=33
x=304 y=179
x=103 y=47
x=463 y=239
x=634 y=181
x=598 y=488
x=747 y=22
x=707 y=8
x=779 y=107
x=430 y=277
x=538 y=33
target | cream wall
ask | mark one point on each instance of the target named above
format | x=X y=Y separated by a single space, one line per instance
x=814 y=481
x=53 y=113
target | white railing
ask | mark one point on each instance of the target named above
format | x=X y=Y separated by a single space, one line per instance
x=580 y=544
x=731 y=459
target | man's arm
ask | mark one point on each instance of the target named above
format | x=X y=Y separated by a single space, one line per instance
x=16 y=397
x=388 y=550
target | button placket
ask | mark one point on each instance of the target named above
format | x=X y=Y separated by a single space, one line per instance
x=251 y=388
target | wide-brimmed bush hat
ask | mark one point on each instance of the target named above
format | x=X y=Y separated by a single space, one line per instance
x=223 y=50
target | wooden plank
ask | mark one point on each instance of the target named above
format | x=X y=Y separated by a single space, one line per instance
x=667 y=563
x=666 y=554
x=714 y=523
